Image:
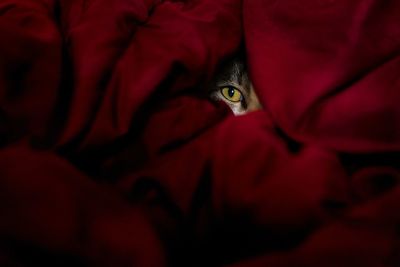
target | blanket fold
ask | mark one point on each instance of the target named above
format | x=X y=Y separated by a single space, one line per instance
x=112 y=154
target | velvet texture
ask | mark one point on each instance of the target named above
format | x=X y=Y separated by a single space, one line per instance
x=112 y=155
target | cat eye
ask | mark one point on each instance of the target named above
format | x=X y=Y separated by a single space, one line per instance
x=231 y=94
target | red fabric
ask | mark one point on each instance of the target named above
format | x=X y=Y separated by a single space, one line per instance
x=328 y=71
x=112 y=155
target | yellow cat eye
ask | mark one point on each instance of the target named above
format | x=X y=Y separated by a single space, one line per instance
x=231 y=94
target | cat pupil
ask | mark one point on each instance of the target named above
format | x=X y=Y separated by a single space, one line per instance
x=231 y=92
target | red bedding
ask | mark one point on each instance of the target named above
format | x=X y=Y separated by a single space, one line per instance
x=112 y=155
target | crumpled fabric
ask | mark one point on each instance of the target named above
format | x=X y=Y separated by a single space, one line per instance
x=112 y=154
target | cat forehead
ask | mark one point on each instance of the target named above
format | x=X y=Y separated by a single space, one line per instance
x=234 y=72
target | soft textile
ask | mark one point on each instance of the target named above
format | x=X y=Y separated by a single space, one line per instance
x=112 y=154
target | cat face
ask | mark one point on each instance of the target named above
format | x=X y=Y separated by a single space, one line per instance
x=233 y=86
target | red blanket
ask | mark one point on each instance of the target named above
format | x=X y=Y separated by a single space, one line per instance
x=112 y=155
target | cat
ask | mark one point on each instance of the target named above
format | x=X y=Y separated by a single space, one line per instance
x=232 y=85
